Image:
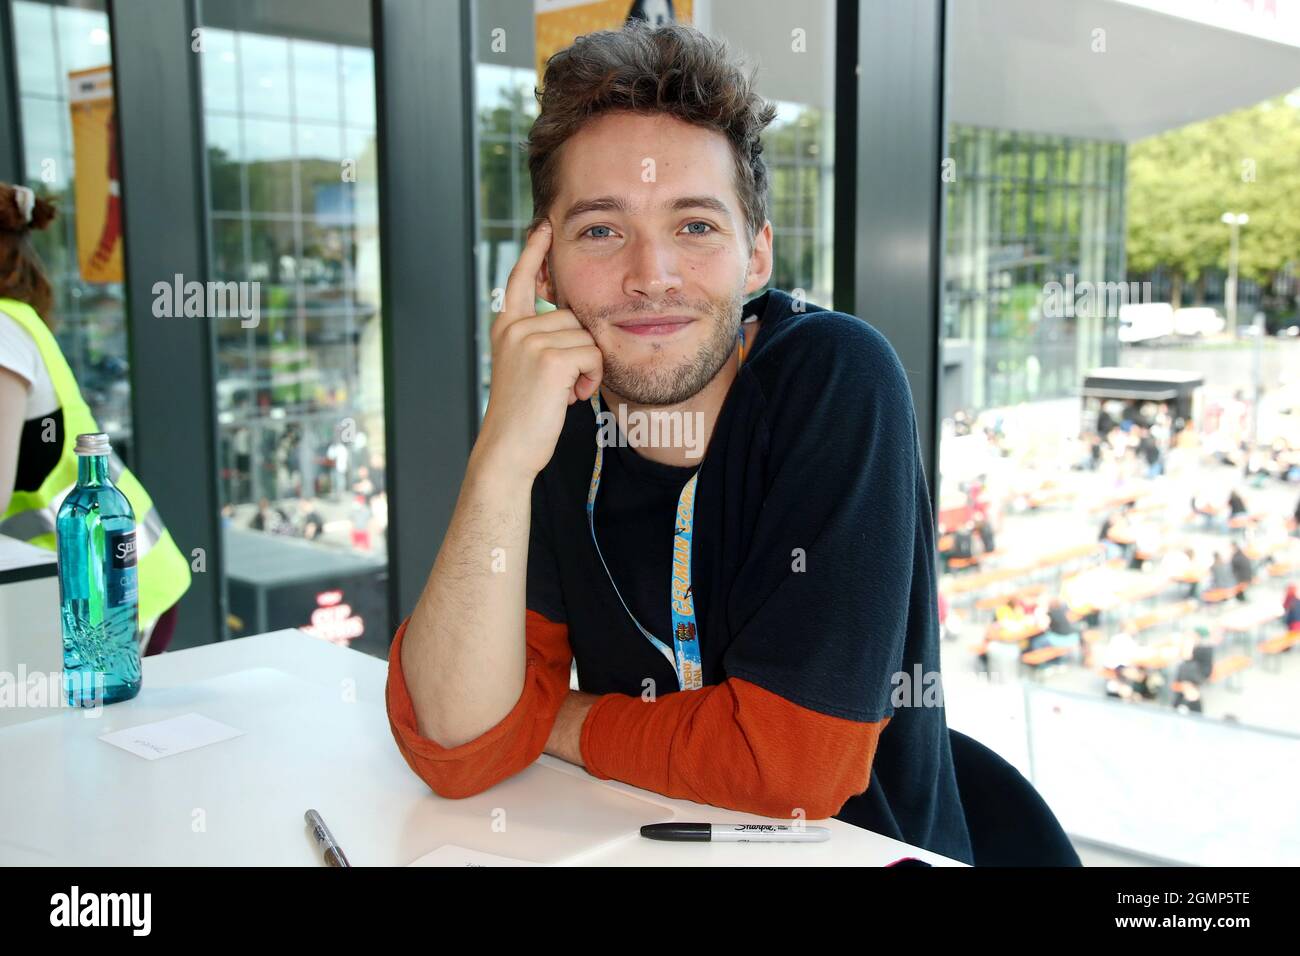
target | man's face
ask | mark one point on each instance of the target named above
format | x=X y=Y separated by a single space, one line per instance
x=648 y=226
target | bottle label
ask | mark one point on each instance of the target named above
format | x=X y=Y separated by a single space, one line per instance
x=122 y=587
x=121 y=549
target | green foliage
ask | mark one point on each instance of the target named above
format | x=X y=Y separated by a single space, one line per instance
x=1181 y=182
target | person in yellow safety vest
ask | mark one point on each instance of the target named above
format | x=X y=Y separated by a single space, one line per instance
x=41 y=414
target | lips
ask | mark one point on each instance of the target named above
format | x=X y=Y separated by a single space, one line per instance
x=655 y=324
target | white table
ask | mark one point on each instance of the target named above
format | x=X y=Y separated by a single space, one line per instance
x=30 y=637
x=80 y=800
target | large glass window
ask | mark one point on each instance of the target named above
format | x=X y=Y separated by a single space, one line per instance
x=1120 y=452
x=51 y=42
x=289 y=128
x=793 y=50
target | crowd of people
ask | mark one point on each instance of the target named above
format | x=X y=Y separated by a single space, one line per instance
x=1171 y=664
x=365 y=515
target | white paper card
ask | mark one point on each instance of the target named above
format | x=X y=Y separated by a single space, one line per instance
x=451 y=855
x=164 y=738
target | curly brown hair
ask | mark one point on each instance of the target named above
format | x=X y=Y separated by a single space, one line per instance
x=22 y=274
x=672 y=69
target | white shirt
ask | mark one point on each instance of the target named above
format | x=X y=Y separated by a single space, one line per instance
x=19 y=354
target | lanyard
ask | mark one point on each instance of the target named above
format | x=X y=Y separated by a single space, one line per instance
x=684 y=654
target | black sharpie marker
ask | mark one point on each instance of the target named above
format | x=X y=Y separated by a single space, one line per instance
x=735 y=833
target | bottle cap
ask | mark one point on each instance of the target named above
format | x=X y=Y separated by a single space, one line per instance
x=93 y=443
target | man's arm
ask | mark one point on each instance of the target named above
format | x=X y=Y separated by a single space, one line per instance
x=731 y=745
x=565 y=741
x=507 y=747
x=463 y=653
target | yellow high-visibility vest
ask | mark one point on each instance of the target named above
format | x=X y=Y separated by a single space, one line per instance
x=163 y=573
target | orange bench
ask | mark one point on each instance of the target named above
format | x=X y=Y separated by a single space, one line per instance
x=1260 y=551
x=977 y=558
x=1042 y=655
x=1219 y=595
x=1113 y=504
x=1223 y=670
x=1147 y=621
x=1227 y=668
x=1050 y=496
x=975 y=582
x=1275 y=646
x=992 y=603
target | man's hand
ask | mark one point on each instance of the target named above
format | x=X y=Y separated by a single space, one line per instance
x=566 y=734
x=541 y=364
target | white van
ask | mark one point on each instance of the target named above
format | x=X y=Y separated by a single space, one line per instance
x=1145 y=321
x=1198 y=320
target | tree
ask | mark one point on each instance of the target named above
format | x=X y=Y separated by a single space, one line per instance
x=1181 y=182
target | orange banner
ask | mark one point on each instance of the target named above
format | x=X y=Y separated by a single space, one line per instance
x=96 y=194
x=558 y=23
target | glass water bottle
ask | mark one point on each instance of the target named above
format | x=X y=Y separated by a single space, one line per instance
x=98 y=594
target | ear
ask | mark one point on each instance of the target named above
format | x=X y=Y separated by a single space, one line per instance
x=760 y=260
x=544 y=283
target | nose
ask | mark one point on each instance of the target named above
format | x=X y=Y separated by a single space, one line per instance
x=651 y=268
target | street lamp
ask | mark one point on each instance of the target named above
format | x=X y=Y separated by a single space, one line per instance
x=1235 y=220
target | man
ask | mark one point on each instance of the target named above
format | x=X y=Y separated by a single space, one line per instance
x=1108 y=524
x=1061 y=631
x=753 y=614
x=1149 y=452
x=1221 y=577
x=1243 y=571
x=311 y=524
x=1058 y=619
x=1236 y=504
x=961 y=546
x=270 y=519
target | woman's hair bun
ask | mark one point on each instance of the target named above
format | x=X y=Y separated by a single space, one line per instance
x=11 y=216
x=43 y=213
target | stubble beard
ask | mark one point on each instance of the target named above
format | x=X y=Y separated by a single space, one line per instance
x=651 y=383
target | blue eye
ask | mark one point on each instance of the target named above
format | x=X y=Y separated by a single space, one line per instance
x=587 y=232
x=699 y=223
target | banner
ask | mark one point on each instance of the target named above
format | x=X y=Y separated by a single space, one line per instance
x=558 y=23
x=96 y=194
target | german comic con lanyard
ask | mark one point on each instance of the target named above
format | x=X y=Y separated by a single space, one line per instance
x=684 y=655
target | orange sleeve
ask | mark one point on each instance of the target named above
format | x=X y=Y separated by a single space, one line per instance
x=733 y=745
x=500 y=751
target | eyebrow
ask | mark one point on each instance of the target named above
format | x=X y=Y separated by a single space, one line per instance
x=617 y=204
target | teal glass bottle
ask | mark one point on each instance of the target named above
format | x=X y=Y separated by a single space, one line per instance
x=98 y=593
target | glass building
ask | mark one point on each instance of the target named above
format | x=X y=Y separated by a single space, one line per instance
x=1024 y=210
